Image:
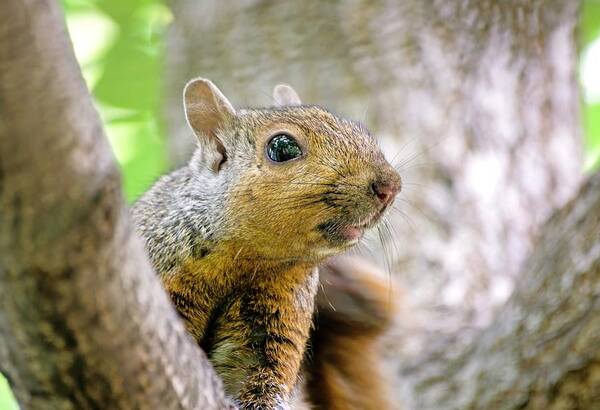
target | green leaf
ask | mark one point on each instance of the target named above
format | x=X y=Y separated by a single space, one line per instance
x=589 y=25
x=130 y=76
x=7 y=400
x=140 y=151
x=591 y=121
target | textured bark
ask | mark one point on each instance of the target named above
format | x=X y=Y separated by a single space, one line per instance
x=84 y=322
x=542 y=351
x=477 y=102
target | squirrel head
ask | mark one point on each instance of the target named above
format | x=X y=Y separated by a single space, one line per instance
x=290 y=182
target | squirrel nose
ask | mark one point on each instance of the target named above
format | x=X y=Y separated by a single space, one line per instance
x=385 y=191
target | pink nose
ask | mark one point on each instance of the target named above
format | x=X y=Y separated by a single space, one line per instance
x=385 y=192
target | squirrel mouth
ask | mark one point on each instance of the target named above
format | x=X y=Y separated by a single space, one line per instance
x=354 y=232
x=350 y=233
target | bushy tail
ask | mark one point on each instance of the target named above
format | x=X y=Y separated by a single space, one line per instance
x=355 y=308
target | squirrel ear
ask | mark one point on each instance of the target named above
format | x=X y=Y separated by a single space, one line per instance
x=207 y=110
x=284 y=95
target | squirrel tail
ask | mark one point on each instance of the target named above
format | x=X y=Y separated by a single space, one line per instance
x=355 y=307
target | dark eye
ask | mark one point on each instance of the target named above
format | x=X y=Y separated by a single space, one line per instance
x=283 y=148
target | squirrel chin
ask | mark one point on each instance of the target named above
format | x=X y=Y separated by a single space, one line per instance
x=351 y=233
x=333 y=251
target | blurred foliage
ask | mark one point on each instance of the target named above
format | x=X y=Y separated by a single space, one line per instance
x=119 y=46
x=591 y=117
x=589 y=31
x=7 y=401
x=589 y=26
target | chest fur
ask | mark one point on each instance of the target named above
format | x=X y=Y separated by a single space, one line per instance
x=249 y=322
x=263 y=328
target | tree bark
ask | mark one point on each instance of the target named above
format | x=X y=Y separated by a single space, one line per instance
x=542 y=351
x=84 y=322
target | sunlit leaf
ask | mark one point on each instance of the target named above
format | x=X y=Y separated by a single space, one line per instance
x=130 y=76
x=591 y=120
x=7 y=401
x=589 y=28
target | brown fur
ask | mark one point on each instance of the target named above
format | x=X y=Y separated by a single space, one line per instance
x=355 y=308
x=236 y=238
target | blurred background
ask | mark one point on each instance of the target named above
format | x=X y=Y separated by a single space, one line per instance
x=122 y=47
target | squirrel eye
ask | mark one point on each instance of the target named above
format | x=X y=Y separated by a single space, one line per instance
x=283 y=147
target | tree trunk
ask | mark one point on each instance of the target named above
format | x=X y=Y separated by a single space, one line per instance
x=477 y=102
x=84 y=322
x=542 y=351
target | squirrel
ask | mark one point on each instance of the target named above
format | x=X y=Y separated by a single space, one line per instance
x=237 y=236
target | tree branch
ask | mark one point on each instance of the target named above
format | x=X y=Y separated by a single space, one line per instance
x=541 y=352
x=84 y=322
